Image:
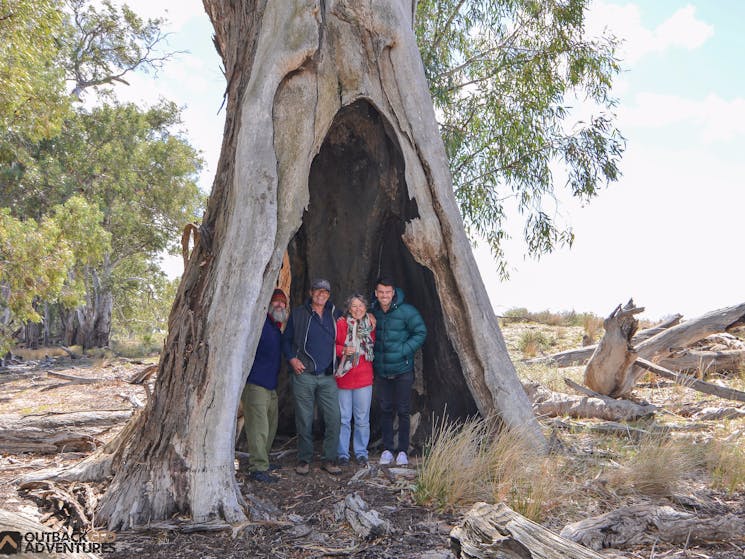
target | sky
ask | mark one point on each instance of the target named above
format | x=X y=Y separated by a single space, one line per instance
x=668 y=233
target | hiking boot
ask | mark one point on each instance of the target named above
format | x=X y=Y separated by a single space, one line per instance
x=263 y=477
x=362 y=460
x=331 y=468
x=343 y=462
x=386 y=458
x=402 y=459
x=303 y=468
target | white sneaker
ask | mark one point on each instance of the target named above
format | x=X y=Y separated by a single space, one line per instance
x=386 y=458
x=402 y=459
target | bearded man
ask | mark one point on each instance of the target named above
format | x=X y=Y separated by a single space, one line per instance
x=260 y=394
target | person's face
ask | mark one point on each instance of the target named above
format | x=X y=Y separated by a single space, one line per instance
x=278 y=305
x=384 y=293
x=319 y=297
x=357 y=309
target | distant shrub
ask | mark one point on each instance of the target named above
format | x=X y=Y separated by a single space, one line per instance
x=533 y=341
x=563 y=318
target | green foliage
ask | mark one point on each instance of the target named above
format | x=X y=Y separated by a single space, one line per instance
x=38 y=259
x=503 y=75
x=126 y=165
x=562 y=318
x=33 y=102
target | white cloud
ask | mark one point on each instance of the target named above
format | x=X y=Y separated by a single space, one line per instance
x=717 y=119
x=681 y=30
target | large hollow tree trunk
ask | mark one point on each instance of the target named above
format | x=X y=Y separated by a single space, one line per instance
x=327 y=111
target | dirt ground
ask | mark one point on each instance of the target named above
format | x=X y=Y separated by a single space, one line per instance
x=305 y=523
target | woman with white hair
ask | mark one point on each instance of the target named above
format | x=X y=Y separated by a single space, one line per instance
x=355 y=338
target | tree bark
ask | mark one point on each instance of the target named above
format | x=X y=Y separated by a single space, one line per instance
x=310 y=83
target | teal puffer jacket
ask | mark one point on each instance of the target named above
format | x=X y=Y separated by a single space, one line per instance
x=398 y=334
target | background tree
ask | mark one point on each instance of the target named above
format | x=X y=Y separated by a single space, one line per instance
x=38 y=261
x=131 y=163
x=504 y=76
x=33 y=101
x=102 y=44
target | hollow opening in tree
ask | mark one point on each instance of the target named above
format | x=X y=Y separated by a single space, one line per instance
x=351 y=234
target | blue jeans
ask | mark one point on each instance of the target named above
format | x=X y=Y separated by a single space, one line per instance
x=394 y=394
x=354 y=403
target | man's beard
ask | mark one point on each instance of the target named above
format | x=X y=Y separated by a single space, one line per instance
x=278 y=314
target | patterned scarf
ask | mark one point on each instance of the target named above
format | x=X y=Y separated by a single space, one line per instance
x=358 y=336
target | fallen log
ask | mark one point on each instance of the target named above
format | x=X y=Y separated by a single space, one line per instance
x=580 y=356
x=64 y=420
x=554 y=404
x=647 y=524
x=705 y=362
x=496 y=531
x=74 y=379
x=692 y=382
x=57 y=432
x=38 y=441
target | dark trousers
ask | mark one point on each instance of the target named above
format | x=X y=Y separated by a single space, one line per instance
x=394 y=394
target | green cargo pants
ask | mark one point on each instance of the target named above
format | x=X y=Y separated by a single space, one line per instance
x=260 y=423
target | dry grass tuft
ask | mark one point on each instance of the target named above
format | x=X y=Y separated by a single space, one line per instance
x=38 y=354
x=593 y=326
x=656 y=467
x=725 y=462
x=476 y=460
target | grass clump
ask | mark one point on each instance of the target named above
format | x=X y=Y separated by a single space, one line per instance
x=656 y=466
x=533 y=341
x=725 y=463
x=478 y=461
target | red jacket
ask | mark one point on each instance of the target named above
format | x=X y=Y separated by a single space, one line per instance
x=359 y=376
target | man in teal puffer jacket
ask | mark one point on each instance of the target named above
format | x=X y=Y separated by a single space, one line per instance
x=400 y=331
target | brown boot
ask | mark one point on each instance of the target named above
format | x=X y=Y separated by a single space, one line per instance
x=303 y=468
x=330 y=467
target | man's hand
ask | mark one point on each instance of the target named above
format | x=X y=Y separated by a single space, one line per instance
x=371 y=318
x=296 y=365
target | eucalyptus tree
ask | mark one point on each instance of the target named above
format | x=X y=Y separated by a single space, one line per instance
x=129 y=162
x=40 y=260
x=133 y=165
x=331 y=152
x=507 y=77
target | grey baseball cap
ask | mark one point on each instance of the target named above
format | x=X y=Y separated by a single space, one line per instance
x=320 y=283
